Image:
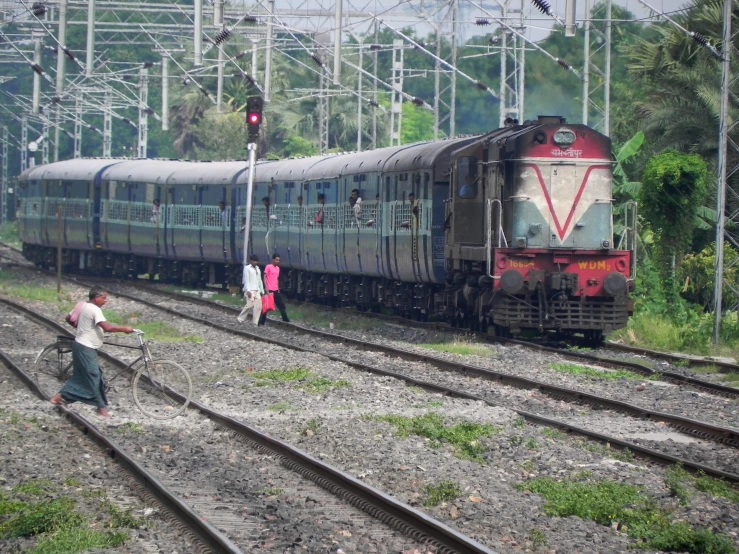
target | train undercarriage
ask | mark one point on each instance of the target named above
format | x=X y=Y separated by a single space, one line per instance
x=466 y=301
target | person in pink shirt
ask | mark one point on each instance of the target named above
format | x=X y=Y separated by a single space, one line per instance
x=272 y=284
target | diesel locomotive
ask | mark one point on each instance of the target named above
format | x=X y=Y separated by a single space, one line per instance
x=510 y=230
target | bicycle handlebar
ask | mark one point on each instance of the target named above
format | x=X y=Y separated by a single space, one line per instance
x=138 y=331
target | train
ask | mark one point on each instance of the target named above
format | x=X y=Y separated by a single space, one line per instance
x=506 y=231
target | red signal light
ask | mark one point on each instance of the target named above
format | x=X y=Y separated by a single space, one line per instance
x=254 y=118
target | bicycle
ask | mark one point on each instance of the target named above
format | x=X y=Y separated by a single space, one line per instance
x=161 y=389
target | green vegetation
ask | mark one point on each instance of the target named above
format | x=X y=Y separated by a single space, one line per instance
x=463 y=437
x=269 y=491
x=445 y=491
x=165 y=332
x=59 y=529
x=462 y=347
x=123 y=518
x=638 y=514
x=9 y=234
x=131 y=427
x=311 y=425
x=554 y=433
x=309 y=382
x=678 y=482
x=281 y=407
x=537 y=537
x=35 y=487
x=519 y=422
x=72 y=482
x=624 y=455
x=284 y=375
x=574 y=369
x=320 y=385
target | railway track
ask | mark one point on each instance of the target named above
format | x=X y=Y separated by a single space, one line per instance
x=612 y=441
x=416 y=525
x=211 y=539
x=688 y=426
x=693 y=427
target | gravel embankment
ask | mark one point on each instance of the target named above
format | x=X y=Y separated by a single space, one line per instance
x=340 y=426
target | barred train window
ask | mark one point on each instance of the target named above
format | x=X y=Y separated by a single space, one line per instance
x=467 y=177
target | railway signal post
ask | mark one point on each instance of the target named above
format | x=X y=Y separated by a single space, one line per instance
x=254 y=105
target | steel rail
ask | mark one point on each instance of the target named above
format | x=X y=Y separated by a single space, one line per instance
x=211 y=537
x=535 y=418
x=376 y=503
x=688 y=426
x=728 y=366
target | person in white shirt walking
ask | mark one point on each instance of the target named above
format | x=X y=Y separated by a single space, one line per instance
x=253 y=291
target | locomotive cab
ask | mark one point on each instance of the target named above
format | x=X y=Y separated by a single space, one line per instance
x=530 y=245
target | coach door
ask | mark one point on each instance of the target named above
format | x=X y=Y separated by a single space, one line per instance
x=468 y=200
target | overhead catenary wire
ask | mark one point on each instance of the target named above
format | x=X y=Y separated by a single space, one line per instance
x=477 y=83
x=559 y=61
x=697 y=37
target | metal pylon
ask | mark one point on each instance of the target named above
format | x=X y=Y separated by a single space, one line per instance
x=143 y=112
x=728 y=150
x=596 y=77
x=396 y=103
x=512 y=52
x=323 y=112
x=4 y=184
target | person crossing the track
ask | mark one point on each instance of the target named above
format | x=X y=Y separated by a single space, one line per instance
x=272 y=282
x=87 y=384
x=253 y=291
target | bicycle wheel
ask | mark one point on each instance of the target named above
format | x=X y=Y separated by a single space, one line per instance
x=162 y=389
x=54 y=361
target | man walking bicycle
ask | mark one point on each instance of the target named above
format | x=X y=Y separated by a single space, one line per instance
x=87 y=384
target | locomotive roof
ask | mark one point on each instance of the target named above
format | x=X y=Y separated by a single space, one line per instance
x=77 y=169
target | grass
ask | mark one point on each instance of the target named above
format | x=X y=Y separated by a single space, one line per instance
x=72 y=482
x=464 y=438
x=731 y=379
x=77 y=539
x=461 y=347
x=554 y=433
x=574 y=369
x=637 y=513
x=35 y=487
x=270 y=491
x=311 y=425
x=624 y=455
x=131 y=427
x=9 y=233
x=445 y=491
x=281 y=407
x=164 y=332
x=678 y=482
x=705 y=369
x=309 y=382
x=537 y=537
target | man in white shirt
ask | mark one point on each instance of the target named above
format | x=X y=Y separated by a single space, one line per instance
x=253 y=291
x=87 y=384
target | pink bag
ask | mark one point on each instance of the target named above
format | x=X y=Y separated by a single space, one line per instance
x=74 y=316
x=268 y=303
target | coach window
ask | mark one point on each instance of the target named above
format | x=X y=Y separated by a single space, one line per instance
x=467 y=177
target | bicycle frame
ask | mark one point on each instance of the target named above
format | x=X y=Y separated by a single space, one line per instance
x=145 y=356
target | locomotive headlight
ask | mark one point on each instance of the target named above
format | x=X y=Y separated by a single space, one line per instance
x=564 y=138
